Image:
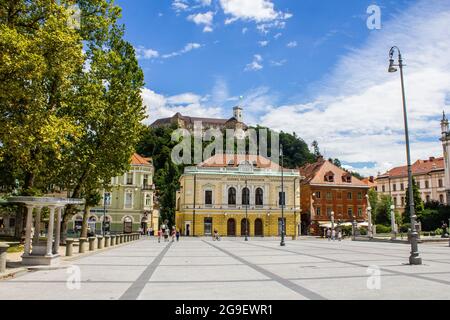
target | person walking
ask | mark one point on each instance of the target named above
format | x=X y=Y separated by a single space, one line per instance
x=166 y=235
x=174 y=233
x=333 y=234
x=159 y=235
x=178 y=235
x=329 y=234
x=340 y=235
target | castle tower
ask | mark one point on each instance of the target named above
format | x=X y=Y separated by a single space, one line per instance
x=237 y=113
x=446 y=146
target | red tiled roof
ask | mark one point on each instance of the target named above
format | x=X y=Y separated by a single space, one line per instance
x=139 y=160
x=315 y=173
x=418 y=167
x=234 y=160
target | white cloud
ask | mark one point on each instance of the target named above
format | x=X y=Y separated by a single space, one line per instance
x=180 y=5
x=357 y=114
x=277 y=35
x=160 y=106
x=187 y=48
x=255 y=65
x=205 y=19
x=244 y=30
x=292 y=44
x=278 y=63
x=145 y=53
x=263 y=43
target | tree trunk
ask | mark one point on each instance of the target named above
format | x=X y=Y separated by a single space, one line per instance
x=85 y=221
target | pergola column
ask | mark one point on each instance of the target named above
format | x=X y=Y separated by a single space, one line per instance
x=51 y=224
x=37 y=225
x=27 y=248
x=58 y=230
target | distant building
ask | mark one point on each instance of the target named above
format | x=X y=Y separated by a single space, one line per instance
x=215 y=193
x=429 y=176
x=445 y=139
x=328 y=189
x=129 y=203
x=370 y=182
x=186 y=122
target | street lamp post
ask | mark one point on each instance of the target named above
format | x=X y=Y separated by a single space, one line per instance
x=282 y=243
x=104 y=213
x=414 y=258
x=247 y=200
x=369 y=218
x=332 y=225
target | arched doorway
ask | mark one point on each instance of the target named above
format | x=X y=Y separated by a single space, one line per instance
x=127 y=225
x=231 y=227
x=259 y=231
x=244 y=226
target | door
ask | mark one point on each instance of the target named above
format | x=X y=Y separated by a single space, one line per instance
x=259 y=231
x=188 y=230
x=245 y=227
x=208 y=226
x=231 y=228
x=127 y=225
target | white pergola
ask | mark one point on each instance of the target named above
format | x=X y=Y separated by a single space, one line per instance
x=33 y=255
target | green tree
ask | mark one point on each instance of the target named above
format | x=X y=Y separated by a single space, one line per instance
x=373 y=201
x=383 y=210
x=418 y=203
x=316 y=149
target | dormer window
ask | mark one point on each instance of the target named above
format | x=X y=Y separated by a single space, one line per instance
x=329 y=177
x=347 y=178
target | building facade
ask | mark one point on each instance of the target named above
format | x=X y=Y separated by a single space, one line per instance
x=330 y=193
x=445 y=139
x=129 y=203
x=429 y=176
x=222 y=192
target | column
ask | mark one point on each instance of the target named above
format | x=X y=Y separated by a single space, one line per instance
x=51 y=223
x=58 y=230
x=37 y=225
x=26 y=251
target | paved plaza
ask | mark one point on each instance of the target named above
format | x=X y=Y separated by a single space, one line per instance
x=234 y=269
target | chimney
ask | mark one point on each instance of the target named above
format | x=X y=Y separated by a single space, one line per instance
x=372 y=179
x=432 y=159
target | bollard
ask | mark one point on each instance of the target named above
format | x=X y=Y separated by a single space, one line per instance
x=100 y=242
x=69 y=247
x=92 y=243
x=117 y=239
x=113 y=240
x=82 y=248
x=107 y=241
x=3 y=248
x=121 y=239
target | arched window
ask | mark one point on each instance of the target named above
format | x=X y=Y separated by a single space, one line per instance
x=245 y=196
x=259 y=197
x=148 y=200
x=232 y=196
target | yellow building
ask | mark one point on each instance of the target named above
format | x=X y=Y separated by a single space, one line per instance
x=219 y=193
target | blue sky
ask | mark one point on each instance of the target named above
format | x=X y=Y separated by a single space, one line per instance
x=301 y=65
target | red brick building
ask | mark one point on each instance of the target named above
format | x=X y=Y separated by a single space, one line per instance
x=327 y=188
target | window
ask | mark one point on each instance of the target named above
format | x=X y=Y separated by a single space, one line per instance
x=427 y=184
x=232 y=196
x=1 y=223
x=440 y=183
x=402 y=186
x=441 y=199
x=148 y=200
x=359 y=196
x=428 y=198
x=339 y=195
x=329 y=210
x=349 y=196
x=395 y=201
x=208 y=197
x=329 y=177
x=318 y=194
x=347 y=178
x=107 y=198
x=403 y=201
x=383 y=188
x=282 y=198
x=145 y=180
x=245 y=197
x=259 y=197
x=208 y=226
x=418 y=184
x=317 y=211
x=129 y=178
x=394 y=187
x=360 y=212
x=128 y=199
x=350 y=212
x=329 y=196
x=12 y=222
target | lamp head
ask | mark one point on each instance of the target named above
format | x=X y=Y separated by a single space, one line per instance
x=392 y=67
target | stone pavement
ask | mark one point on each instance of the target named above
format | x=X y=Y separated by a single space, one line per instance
x=254 y=270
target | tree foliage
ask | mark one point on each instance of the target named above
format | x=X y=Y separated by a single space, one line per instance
x=418 y=203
